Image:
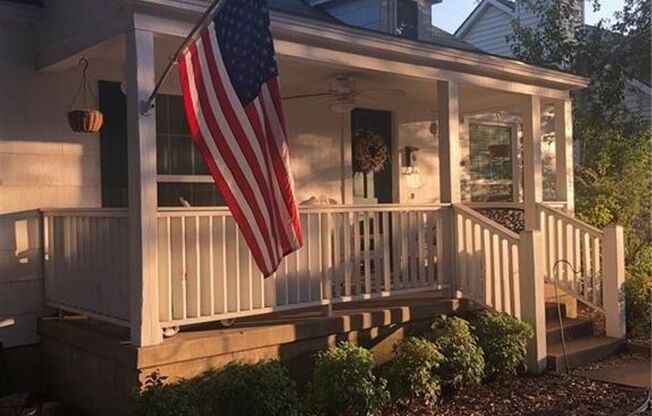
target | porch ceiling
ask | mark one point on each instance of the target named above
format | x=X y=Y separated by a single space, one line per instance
x=304 y=76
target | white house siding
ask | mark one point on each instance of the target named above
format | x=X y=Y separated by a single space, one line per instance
x=491 y=31
x=42 y=164
x=361 y=13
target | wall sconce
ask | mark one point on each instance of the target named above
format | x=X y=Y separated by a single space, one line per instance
x=410 y=156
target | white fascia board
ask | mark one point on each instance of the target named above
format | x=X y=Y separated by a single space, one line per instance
x=294 y=28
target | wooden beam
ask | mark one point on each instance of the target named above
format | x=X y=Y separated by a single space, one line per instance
x=614 y=280
x=448 y=108
x=532 y=170
x=532 y=292
x=365 y=62
x=564 y=183
x=141 y=154
x=449 y=175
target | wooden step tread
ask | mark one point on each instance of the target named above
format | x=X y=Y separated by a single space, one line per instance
x=573 y=329
x=582 y=351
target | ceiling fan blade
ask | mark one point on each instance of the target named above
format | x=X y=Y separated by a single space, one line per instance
x=383 y=91
x=368 y=98
x=325 y=99
x=296 y=97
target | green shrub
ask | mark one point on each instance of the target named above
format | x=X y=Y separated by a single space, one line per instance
x=463 y=362
x=503 y=340
x=412 y=373
x=261 y=389
x=343 y=383
x=159 y=399
x=638 y=303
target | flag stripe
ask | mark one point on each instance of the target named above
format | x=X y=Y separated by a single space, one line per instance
x=247 y=123
x=235 y=180
x=239 y=153
x=232 y=99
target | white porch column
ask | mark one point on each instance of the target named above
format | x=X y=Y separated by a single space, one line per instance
x=449 y=141
x=613 y=281
x=449 y=171
x=564 y=153
x=143 y=266
x=532 y=171
x=533 y=310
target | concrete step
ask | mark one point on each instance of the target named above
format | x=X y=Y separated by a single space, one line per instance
x=573 y=329
x=582 y=351
x=551 y=311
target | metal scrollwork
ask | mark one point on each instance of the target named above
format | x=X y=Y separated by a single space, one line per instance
x=510 y=218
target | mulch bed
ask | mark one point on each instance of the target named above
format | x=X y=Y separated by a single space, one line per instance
x=549 y=394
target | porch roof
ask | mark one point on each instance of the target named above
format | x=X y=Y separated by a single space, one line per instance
x=303 y=31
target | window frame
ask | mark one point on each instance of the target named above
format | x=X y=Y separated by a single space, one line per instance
x=516 y=157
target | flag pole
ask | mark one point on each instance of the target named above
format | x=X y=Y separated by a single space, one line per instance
x=214 y=7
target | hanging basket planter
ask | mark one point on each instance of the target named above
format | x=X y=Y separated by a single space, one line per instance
x=85 y=118
x=85 y=121
x=370 y=153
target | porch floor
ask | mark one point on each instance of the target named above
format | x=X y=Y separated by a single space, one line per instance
x=92 y=365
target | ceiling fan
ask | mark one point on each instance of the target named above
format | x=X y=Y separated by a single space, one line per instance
x=343 y=94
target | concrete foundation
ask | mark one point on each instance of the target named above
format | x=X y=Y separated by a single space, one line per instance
x=91 y=365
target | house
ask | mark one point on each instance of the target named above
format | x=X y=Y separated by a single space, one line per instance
x=490 y=24
x=118 y=257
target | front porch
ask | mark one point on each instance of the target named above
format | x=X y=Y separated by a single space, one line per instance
x=152 y=278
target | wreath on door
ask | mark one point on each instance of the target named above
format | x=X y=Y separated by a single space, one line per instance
x=370 y=153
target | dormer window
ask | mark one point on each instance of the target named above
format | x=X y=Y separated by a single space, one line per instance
x=407 y=19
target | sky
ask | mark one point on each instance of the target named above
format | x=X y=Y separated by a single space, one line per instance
x=450 y=14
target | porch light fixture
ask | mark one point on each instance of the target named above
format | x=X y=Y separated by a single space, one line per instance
x=434 y=124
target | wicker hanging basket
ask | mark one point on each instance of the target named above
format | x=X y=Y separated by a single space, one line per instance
x=85 y=118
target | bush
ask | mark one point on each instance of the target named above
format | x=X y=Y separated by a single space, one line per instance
x=343 y=383
x=261 y=389
x=503 y=340
x=160 y=399
x=463 y=362
x=412 y=373
x=638 y=298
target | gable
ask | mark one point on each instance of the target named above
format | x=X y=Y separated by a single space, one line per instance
x=489 y=30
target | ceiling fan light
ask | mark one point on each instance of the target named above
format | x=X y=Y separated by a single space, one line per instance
x=342 y=106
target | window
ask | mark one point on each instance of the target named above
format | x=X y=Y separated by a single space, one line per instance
x=407 y=19
x=490 y=168
x=181 y=171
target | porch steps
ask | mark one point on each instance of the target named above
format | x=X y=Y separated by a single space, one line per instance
x=582 y=345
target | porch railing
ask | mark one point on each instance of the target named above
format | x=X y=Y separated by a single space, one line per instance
x=86 y=262
x=487 y=261
x=206 y=272
x=581 y=246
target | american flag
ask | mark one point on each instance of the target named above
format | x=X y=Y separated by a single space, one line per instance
x=229 y=80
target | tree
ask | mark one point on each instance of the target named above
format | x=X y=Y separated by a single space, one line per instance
x=613 y=176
